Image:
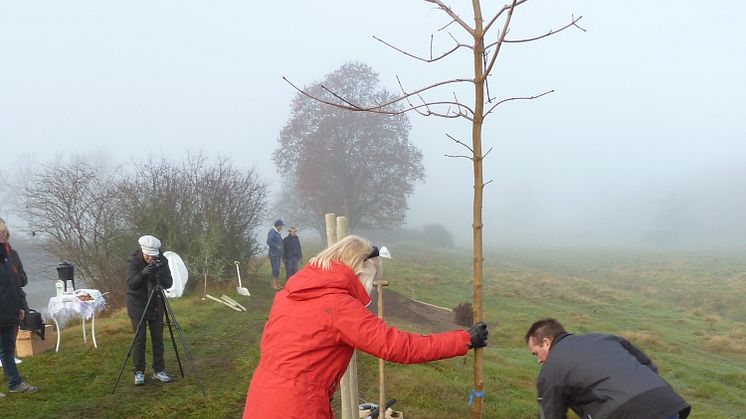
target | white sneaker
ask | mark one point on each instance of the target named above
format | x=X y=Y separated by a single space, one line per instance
x=24 y=388
x=139 y=378
x=162 y=377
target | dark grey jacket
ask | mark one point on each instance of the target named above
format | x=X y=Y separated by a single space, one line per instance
x=139 y=286
x=604 y=377
x=10 y=293
x=291 y=247
x=21 y=277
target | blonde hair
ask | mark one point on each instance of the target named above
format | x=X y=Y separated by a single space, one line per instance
x=4 y=232
x=352 y=251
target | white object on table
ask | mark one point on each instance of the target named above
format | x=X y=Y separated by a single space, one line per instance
x=65 y=307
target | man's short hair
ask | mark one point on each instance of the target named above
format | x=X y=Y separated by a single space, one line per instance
x=544 y=328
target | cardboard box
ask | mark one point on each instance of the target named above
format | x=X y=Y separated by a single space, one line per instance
x=29 y=343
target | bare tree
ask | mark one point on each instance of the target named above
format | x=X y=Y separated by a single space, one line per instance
x=485 y=45
x=74 y=207
x=358 y=164
x=209 y=212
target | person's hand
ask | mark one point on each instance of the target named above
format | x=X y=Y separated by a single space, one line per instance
x=478 y=335
x=22 y=314
x=148 y=269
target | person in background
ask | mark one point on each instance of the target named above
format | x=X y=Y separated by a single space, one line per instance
x=147 y=266
x=11 y=314
x=15 y=260
x=319 y=319
x=292 y=252
x=275 y=254
x=598 y=376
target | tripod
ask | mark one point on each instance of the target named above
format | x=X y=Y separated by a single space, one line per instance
x=158 y=291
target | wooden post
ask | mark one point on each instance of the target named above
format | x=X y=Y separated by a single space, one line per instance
x=348 y=384
x=350 y=387
x=381 y=382
x=333 y=234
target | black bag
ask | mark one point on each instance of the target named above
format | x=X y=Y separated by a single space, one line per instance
x=32 y=321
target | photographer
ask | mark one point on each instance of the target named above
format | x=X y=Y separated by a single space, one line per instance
x=147 y=267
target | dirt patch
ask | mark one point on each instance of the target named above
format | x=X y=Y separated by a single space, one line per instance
x=399 y=309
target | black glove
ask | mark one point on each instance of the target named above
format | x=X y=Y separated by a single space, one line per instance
x=148 y=270
x=478 y=335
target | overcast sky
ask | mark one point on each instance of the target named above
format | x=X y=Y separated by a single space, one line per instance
x=642 y=141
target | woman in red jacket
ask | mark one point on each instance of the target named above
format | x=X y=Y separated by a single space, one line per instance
x=318 y=320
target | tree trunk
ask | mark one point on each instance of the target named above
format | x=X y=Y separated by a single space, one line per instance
x=476 y=138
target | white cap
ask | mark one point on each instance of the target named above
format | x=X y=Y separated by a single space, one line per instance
x=149 y=245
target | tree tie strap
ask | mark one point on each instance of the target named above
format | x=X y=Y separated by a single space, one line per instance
x=474 y=393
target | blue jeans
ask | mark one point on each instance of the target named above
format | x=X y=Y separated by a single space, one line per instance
x=7 y=354
x=275 y=262
x=291 y=266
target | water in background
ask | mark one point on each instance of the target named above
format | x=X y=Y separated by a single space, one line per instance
x=41 y=269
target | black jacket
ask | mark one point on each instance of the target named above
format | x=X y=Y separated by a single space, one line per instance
x=291 y=247
x=10 y=292
x=139 y=286
x=21 y=277
x=604 y=377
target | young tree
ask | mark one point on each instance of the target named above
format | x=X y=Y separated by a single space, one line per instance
x=358 y=164
x=485 y=51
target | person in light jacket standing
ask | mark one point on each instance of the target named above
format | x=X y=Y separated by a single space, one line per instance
x=293 y=252
x=275 y=254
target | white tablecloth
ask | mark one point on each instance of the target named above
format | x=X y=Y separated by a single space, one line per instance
x=63 y=311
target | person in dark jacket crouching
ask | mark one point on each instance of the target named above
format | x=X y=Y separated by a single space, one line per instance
x=598 y=377
x=146 y=267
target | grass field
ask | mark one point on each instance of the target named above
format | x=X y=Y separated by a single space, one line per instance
x=685 y=309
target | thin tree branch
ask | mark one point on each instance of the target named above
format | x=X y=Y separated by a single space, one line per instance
x=517 y=98
x=550 y=33
x=498 y=14
x=431 y=59
x=453 y=15
x=341 y=98
x=458 y=156
x=381 y=108
x=487 y=153
x=460 y=142
x=487 y=183
x=500 y=40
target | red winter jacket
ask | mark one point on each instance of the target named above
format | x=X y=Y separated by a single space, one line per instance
x=315 y=324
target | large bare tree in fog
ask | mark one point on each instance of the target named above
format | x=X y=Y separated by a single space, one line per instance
x=358 y=164
x=486 y=36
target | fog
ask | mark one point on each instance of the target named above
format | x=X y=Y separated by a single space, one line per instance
x=643 y=141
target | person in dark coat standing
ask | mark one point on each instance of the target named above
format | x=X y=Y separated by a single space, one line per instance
x=598 y=376
x=275 y=253
x=11 y=315
x=145 y=267
x=293 y=253
x=15 y=261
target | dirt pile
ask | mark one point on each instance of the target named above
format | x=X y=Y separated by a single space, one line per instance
x=401 y=310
